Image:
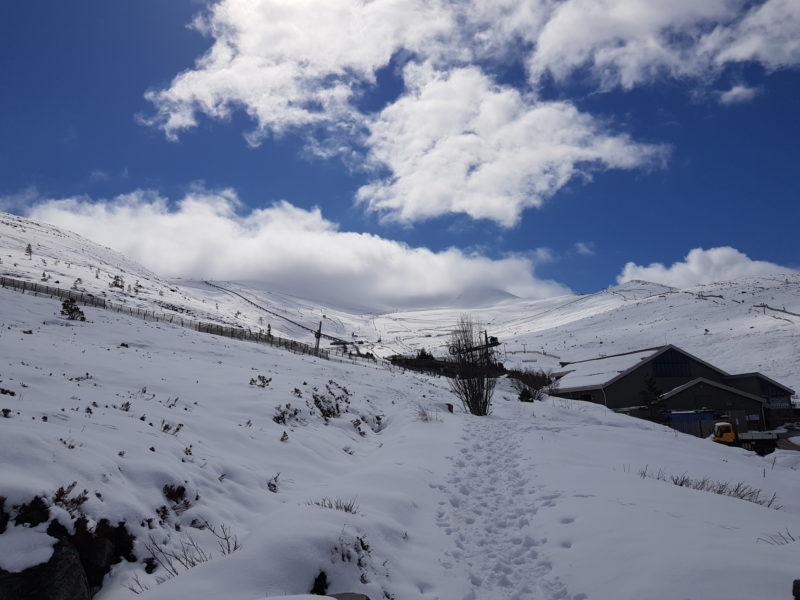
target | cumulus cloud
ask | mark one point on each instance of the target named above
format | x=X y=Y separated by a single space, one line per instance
x=769 y=34
x=584 y=248
x=626 y=42
x=457 y=143
x=206 y=235
x=738 y=94
x=702 y=266
x=466 y=143
x=292 y=63
x=630 y=42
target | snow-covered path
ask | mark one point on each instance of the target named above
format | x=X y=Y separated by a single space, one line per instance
x=490 y=513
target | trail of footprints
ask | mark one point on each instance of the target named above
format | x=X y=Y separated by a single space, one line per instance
x=492 y=500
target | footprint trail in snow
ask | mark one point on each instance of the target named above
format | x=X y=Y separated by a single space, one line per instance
x=490 y=513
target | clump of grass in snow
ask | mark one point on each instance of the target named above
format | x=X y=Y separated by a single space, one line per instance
x=740 y=490
x=348 y=506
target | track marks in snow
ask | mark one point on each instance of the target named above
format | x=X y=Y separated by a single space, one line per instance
x=492 y=498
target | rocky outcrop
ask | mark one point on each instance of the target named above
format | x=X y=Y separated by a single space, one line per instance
x=60 y=578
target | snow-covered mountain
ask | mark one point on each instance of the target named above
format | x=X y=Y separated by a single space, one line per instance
x=322 y=466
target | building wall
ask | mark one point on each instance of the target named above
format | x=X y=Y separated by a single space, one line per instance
x=739 y=410
x=669 y=370
x=758 y=386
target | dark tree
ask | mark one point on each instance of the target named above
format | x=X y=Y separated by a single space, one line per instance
x=652 y=399
x=72 y=311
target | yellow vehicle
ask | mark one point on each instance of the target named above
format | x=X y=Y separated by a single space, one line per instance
x=760 y=442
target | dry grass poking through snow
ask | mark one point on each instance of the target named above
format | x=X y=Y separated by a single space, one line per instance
x=739 y=490
x=348 y=506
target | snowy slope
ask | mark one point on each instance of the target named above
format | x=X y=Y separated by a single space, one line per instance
x=536 y=501
x=719 y=323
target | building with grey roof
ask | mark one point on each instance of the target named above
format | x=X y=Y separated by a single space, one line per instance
x=668 y=383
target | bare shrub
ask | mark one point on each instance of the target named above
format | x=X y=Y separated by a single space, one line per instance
x=532 y=384
x=173 y=561
x=778 y=539
x=227 y=542
x=472 y=384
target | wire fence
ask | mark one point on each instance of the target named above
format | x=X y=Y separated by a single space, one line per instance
x=238 y=333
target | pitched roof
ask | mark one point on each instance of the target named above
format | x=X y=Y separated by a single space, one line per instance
x=595 y=373
x=715 y=384
x=598 y=372
x=762 y=376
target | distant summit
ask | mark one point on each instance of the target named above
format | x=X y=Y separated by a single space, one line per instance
x=482 y=296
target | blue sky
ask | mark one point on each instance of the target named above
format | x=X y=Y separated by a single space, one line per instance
x=528 y=146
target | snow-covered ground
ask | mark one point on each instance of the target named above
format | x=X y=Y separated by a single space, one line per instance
x=536 y=501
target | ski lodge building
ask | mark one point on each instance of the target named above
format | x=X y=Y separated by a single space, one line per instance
x=691 y=393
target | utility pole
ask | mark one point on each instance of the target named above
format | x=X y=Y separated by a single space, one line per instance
x=317 y=334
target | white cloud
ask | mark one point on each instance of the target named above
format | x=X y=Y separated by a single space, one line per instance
x=738 y=94
x=769 y=33
x=626 y=42
x=584 y=248
x=457 y=143
x=466 y=144
x=702 y=266
x=630 y=42
x=206 y=236
x=292 y=63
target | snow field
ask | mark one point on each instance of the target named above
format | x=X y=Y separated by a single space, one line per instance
x=537 y=501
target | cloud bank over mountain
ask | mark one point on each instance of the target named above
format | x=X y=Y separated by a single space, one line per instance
x=702 y=266
x=206 y=234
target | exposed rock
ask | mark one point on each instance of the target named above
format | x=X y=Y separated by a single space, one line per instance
x=60 y=578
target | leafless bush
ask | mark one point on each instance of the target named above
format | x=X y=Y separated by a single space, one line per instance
x=188 y=555
x=135 y=585
x=740 y=490
x=778 y=539
x=348 y=506
x=473 y=384
x=227 y=542
x=533 y=384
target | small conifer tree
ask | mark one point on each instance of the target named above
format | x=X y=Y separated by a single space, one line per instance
x=72 y=311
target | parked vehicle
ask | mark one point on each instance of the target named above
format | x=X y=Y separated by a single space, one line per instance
x=760 y=442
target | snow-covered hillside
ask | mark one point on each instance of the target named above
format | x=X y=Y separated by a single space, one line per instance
x=557 y=499
x=723 y=323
